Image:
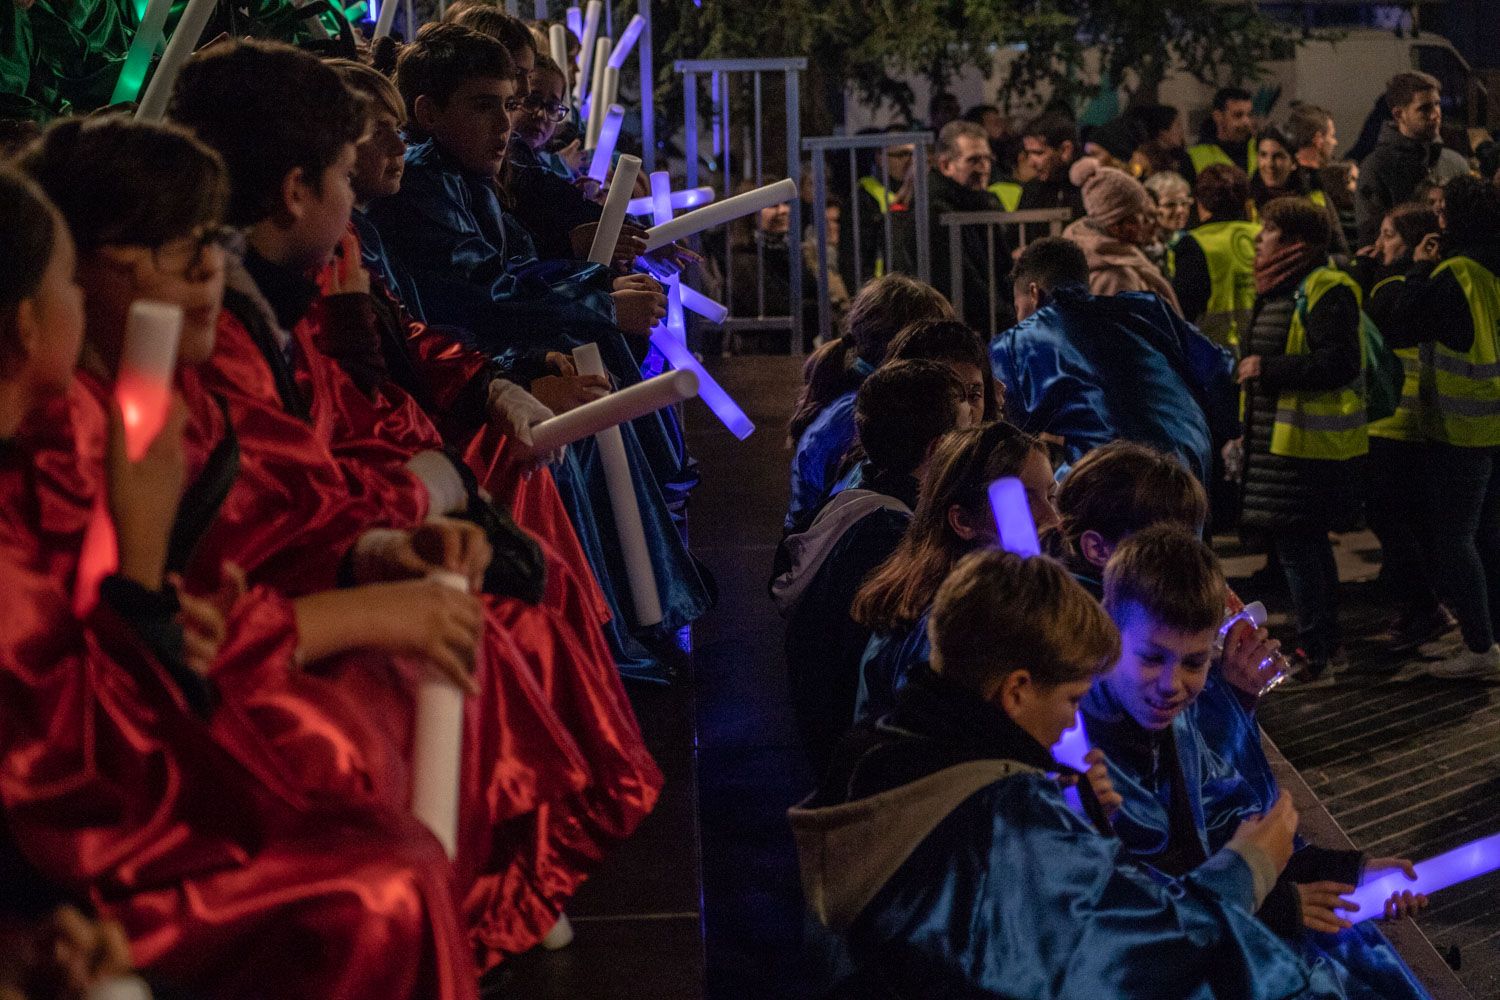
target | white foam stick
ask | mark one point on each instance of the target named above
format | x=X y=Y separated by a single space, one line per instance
x=612 y=410
x=621 y=483
x=681 y=200
x=153 y=106
x=611 y=85
x=143 y=384
x=704 y=306
x=557 y=41
x=627 y=41
x=615 y=204
x=598 y=102
x=437 y=745
x=604 y=148
x=592 y=13
x=385 y=18
x=721 y=212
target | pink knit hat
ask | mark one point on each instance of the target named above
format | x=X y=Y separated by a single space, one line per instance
x=1109 y=195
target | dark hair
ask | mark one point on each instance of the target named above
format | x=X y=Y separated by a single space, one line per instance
x=489 y=20
x=16 y=133
x=118 y=180
x=1300 y=221
x=457 y=7
x=963 y=465
x=977 y=112
x=445 y=57
x=952 y=342
x=1305 y=124
x=1277 y=136
x=1155 y=118
x=1051 y=262
x=1224 y=95
x=1471 y=211
x=1169 y=574
x=371 y=84
x=1412 y=221
x=902 y=409
x=1403 y=88
x=1052 y=130
x=1122 y=487
x=997 y=613
x=882 y=309
x=267 y=109
x=28 y=234
x=1223 y=190
x=546 y=64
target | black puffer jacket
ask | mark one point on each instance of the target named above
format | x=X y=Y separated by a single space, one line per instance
x=944 y=196
x=1281 y=493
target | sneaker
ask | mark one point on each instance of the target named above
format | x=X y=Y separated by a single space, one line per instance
x=1443 y=646
x=1468 y=664
x=1314 y=672
x=1410 y=631
x=560 y=936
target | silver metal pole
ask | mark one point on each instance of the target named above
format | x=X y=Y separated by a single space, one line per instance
x=854 y=200
x=923 y=223
x=955 y=254
x=820 y=201
x=794 y=171
x=645 y=63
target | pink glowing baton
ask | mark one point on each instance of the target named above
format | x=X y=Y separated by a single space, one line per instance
x=1013 y=517
x=1476 y=858
x=711 y=392
x=148 y=358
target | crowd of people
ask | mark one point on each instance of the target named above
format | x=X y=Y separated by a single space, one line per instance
x=213 y=642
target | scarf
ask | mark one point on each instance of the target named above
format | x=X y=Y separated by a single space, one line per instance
x=1289 y=262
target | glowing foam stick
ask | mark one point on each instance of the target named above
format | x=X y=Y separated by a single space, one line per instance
x=142 y=47
x=1070 y=750
x=613 y=216
x=604 y=149
x=627 y=41
x=661 y=197
x=622 y=500
x=721 y=212
x=612 y=410
x=574 y=17
x=437 y=745
x=598 y=102
x=714 y=312
x=587 y=36
x=676 y=322
x=557 y=41
x=148 y=357
x=681 y=200
x=153 y=106
x=1476 y=858
x=711 y=392
x=1013 y=517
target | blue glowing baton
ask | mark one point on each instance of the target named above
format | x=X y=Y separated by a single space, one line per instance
x=1476 y=858
x=711 y=392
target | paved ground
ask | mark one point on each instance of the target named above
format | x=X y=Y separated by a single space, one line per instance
x=1403 y=763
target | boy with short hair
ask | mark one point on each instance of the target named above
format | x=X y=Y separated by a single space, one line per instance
x=1165 y=591
x=941 y=851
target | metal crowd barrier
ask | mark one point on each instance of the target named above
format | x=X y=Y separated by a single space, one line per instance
x=722 y=73
x=1054 y=218
x=819 y=147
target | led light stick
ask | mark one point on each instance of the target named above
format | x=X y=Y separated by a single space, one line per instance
x=690 y=198
x=711 y=392
x=1476 y=858
x=627 y=41
x=437 y=744
x=610 y=91
x=612 y=410
x=142 y=47
x=1070 y=750
x=714 y=312
x=615 y=204
x=587 y=37
x=598 y=102
x=1013 y=517
x=661 y=213
x=148 y=358
x=604 y=149
x=557 y=41
x=622 y=501
x=153 y=106
x=385 y=18
x=574 y=17
x=721 y=212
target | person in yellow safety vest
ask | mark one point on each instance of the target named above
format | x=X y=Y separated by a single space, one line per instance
x=1233 y=133
x=1301 y=369
x=1213 y=265
x=1453 y=311
x=1394 y=509
x=892 y=165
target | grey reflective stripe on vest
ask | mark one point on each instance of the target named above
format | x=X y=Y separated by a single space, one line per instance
x=1465 y=369
x=1469 y=407
x=1322 y=422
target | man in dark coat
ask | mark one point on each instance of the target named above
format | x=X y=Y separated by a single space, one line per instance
x=1408 y=154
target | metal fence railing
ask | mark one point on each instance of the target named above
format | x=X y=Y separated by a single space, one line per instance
x=724 y=75
x=955 y=222
x=853 y=229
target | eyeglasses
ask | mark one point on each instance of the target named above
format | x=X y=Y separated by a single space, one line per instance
x=552 y=110
x=181 y=256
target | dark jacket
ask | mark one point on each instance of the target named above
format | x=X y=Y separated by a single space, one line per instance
x=1436 y=309
x=547 y=205
x=943 y=196
x=1392 y=173
x=1281 y=493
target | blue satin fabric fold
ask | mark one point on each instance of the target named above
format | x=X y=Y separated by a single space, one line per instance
x=1356 y=964
x=816 y=461
x=1015 y=895
x=888 y=663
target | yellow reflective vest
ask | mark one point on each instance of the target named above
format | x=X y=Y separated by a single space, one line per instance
x=1330 y=424
x=1406 y=423
x=1009 y=193
x=1206 y=154
x=1229 y=248
x=884 y=196
x=1461 y=391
